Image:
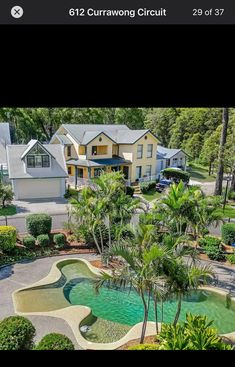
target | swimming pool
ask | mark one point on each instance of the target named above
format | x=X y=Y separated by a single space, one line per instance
x=75 y=286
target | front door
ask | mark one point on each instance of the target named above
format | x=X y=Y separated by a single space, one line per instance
x=126 y=172
x=138 y=172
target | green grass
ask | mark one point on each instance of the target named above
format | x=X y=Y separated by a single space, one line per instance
x=229 y=212
x=9 y=210
x=200 y=173
x=151 y=195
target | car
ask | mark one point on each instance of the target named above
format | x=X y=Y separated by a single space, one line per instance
x=165 y=182
x=160 y=187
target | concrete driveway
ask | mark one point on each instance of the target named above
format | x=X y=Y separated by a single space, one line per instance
x=49 y=206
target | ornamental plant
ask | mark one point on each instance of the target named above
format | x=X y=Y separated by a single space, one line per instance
x=228 y=233
x=29 y=241
x=37 y=224
x=16 y=333
x=7 y=238
x=59 y=240
x=55 y=341
x=43 y=240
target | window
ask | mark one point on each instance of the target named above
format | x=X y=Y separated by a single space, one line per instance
x=148 y=170
x=80 y=172
x=69 y=170
x=140 y=151
x=138 y=172
x=69 y=151
x=99 y=150
x=149 y=150
x=175 y=162
x=168 y=162
x=38 y=161
x=97 y=172
x=82 y=150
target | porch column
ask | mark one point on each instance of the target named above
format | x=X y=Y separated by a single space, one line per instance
x=76 y=176
x=89 y=172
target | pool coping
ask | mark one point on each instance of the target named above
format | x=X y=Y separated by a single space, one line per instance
x=74 y=315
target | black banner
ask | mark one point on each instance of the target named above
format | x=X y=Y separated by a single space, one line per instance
x=117 y=12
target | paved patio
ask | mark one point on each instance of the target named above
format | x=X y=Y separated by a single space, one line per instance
x=50 y=206
x=16 y=276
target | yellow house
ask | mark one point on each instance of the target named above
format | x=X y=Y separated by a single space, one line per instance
x=90 y=149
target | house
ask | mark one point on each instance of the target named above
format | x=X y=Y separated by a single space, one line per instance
x=5 y=139
x=90 y=149
x=167 y=157
x=37 y=170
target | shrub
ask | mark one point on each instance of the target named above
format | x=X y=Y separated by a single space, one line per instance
x=144 y=347
x=231 y=258
x=215 y=253
x=231 y=195
x=59 y=240
x=16 y=333
x=7 y=238
x=43 y=240
x=147 y=186
x=37 y=224
x=228 y=233
x=29 y=241
x=209 y=241
x=130 y=190
x=176 y=175
x=55 y=341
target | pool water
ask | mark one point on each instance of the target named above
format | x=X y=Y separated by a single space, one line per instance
x=76 y=287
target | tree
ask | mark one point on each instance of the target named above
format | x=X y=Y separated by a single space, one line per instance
x=193 y=145
x=6 y=194
x=219 y=178
x=210 y=149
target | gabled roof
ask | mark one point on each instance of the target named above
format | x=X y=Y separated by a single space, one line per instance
x=5 y=139
x=64 y=139
x=119 y=134
x=167 y=153
x=16 y=164
x=30 y=146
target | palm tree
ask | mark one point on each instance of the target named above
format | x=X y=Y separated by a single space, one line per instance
x=184 y=278
x=219 y=178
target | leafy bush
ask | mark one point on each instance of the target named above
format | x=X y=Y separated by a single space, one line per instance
x=231 y=258
x=147 y=186
x=228 y=233
x=29 y=241
x=215 y=253
x=43 y=240
x=130 y=190
x=55 y=341
x=176 y=175
x=144 y=347
x=196 y=333
x=209 y=241
x=59 y=240
x=16 y=333
x=6 y=194
x=23 y=254
x=231 y=195
x=7 y=238
x=37 y=224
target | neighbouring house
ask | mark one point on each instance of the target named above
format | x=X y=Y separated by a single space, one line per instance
x=5 y=139
x=37 y=170
x=167 y=157
x=90 y=149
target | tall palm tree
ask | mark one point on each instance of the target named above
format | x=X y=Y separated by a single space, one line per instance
x=184 y=278
x=220 y=172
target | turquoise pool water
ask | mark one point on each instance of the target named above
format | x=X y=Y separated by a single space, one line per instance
x=125 y=306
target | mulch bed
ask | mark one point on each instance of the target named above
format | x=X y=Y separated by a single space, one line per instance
x=147 y=340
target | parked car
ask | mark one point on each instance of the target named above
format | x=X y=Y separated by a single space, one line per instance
x=163 y=184
x=160 y=187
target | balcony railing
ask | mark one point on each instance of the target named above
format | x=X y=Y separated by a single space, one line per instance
x=148 y=178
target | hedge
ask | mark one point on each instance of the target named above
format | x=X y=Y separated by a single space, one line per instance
x=59 y=240
x=144 y=347
x=16 y=333
x=29 y=241
x=7 y=238
x=176 y=174
x=55 y=341
x=43 y=240
x=228 y=233
x=37 y=224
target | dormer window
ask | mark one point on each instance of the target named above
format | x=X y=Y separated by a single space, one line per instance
x=37 y=158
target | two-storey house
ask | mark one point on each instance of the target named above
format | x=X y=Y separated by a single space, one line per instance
x=90 y=149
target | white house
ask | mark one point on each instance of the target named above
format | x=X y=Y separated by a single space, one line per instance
x=167 y=158
x=37 y=170
x=5 y=139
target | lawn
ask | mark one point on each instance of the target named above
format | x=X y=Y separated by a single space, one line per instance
x=151 y=195
x=200 y=173
x=9 y=210
x=229 y=212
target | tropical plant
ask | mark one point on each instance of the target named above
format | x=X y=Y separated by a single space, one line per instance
x=228 y=233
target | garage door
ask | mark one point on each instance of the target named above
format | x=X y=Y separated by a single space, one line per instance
x=37 y=189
